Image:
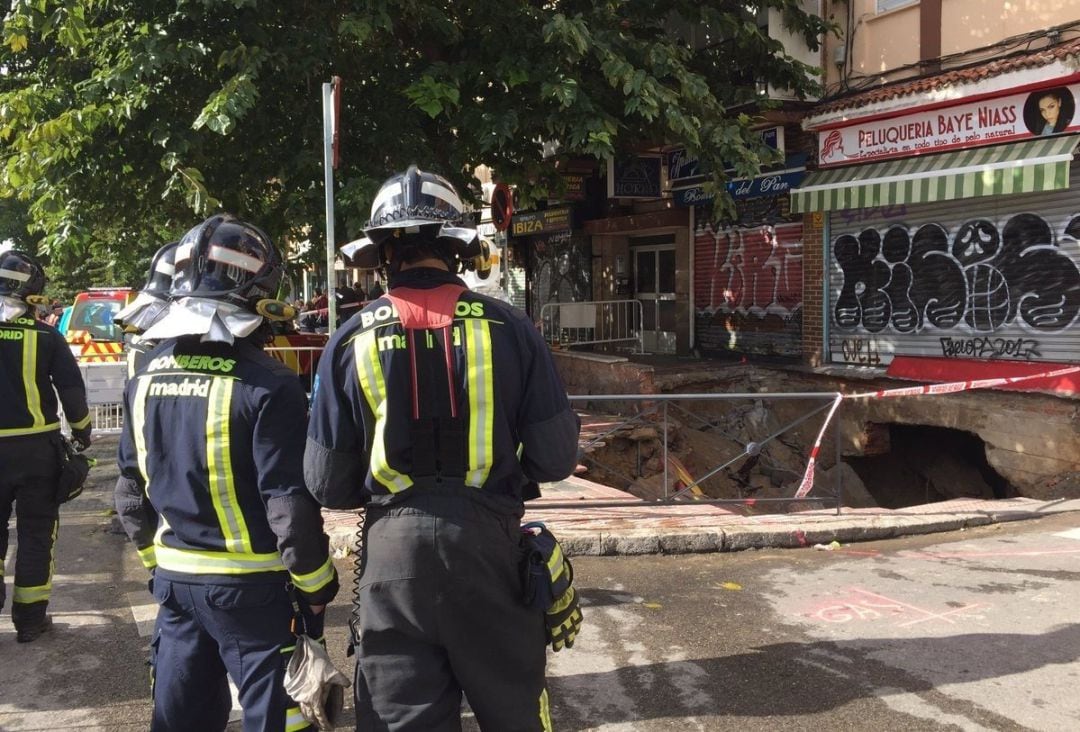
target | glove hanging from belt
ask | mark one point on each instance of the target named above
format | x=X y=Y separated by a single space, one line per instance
x=548 y=585
x=315 y=684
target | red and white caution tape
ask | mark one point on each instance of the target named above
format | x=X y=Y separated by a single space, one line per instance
x=807 y=482
x=956 y=386
x=808 y=477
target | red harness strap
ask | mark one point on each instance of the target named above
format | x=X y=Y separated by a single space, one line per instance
x=428 y=309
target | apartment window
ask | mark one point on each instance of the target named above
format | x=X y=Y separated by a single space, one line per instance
x=885 y=5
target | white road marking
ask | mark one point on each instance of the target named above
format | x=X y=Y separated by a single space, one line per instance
x=1070 y=534
x=142 y=612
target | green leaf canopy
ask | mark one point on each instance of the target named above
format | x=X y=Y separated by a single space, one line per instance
x=125 y=122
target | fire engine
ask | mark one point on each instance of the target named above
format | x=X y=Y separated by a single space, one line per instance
x=89 y=328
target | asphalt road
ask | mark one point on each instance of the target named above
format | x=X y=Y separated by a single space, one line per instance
x=973 y=630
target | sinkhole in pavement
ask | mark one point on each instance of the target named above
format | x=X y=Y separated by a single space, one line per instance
x=916 y=464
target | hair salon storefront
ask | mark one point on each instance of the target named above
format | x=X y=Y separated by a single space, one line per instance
x=951 y=229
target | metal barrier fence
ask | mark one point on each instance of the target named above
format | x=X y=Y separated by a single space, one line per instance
x=301 y=360
x=649 y=411
x=104 y=395
x=592 y=322
x=654 y=410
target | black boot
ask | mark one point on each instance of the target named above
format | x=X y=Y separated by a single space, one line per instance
x=30 y=632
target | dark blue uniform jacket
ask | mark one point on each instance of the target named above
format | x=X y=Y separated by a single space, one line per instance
x=211 y=487
x=467 y=395
x=35 y=359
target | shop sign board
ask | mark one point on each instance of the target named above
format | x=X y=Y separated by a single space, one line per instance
x=772 y=184
x=683 y=166
x=634 y=177
x=539 y=223
x=575 y=187
x=1021 y=114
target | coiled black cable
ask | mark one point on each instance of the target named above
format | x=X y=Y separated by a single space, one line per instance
x=358 y=565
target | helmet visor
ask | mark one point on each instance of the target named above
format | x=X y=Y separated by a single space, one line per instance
x=12 y=280
x=227 y=264
x=227 y=270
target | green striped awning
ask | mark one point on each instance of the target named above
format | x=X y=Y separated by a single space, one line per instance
x=1021 y=167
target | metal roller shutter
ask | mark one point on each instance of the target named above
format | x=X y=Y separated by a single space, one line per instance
x=986 y=278
x=748 y=290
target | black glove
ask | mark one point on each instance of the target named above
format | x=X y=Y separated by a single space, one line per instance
x=81 y=438
x=310 y=624
x=563 y=621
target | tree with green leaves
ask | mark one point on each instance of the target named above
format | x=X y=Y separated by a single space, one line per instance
x=124 y=122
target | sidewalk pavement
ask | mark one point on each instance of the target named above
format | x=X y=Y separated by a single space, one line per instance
x=689 y=528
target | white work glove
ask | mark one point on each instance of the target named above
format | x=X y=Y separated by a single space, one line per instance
x=315 y=684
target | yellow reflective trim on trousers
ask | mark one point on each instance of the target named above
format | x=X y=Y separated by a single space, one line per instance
x=138 y=426
x=481 y=400
x=545 y=711
x=314 y=581
x=372 y=384
x=295 y=720
x=148 y=556
x=219 y=467
x=20 y=431
x=192 y=561
x=29 y=369
x=27 y=595
x=40 y=593
x=82 y=423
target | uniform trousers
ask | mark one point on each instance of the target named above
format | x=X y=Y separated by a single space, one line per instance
x=29 y=469
x=440 y=613
x=205 y=631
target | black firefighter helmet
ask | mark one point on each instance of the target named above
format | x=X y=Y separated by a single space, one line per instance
x=21 y=276
x=229 y=260
x=414 y=205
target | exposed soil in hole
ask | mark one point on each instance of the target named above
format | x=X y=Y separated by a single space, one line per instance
x=929 y=464
x=764 y=454
x=913 y=465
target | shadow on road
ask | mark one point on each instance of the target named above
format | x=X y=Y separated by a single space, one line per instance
x=792 y=679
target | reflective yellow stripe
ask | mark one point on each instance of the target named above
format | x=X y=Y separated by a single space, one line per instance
x=27 y=595
x=481 y=400
x=219 y=467
x=545 y=711
x=138 y=426
x=191 y=561
x=29 y=365
x=562 y=603
x=555 y=563
x=148 y=556
x=369 y=372
x=163 y=526
x=314 y=581
x=82 y=423
x=40 y=593
x=20 y=431
x=294 y=720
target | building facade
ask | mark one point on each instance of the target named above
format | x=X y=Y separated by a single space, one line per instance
x=943 y=205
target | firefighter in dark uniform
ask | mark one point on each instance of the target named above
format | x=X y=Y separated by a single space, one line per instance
x=438 y=409
x=212 y=491
x=147 y=308
x=36 y=366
